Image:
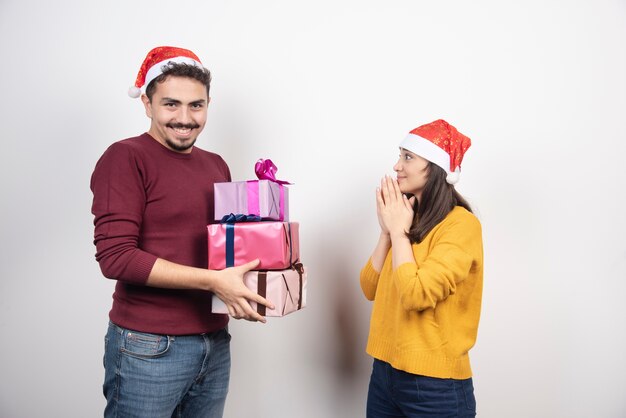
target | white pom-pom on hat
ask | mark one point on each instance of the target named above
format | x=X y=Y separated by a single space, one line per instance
x=453 y=177
x=134 y=92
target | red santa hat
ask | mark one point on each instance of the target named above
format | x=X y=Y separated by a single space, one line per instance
x=152 y=66
x=441 y=144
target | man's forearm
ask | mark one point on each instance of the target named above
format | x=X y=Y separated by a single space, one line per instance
x=170 y=275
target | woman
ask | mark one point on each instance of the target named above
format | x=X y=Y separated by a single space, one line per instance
x=425 y=277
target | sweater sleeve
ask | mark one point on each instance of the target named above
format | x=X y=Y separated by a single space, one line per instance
x=369 y=280
x=457 y=248
x=119 y=201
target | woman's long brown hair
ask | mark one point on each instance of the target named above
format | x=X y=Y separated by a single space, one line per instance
x=438 y=199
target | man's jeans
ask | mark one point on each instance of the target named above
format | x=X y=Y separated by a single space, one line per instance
x=395 y=393
x=150 y=375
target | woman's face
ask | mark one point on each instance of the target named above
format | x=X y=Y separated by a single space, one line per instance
x=412 y=173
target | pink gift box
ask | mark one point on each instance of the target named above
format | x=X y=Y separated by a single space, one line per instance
x=286 y=289
x=263 y=198
x=275 y=244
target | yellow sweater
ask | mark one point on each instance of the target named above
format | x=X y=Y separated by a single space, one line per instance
x=425 y=315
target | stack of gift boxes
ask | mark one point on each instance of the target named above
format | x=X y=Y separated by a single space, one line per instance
x=254 y=223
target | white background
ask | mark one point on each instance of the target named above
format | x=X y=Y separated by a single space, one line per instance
x=327 y=89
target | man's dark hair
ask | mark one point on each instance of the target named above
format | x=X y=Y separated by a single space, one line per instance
x=174 y=69
x=438 y=199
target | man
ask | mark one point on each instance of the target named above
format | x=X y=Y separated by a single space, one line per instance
x=166 y=354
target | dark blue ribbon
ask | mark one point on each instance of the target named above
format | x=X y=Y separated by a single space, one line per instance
x=230 y=244
x=240 y=217
x=230 y=221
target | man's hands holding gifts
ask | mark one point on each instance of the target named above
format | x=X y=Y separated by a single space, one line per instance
x=230 y=289
x=226 y=284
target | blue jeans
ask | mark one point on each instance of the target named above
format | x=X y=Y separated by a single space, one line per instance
x=150 y=375
x=395 y=393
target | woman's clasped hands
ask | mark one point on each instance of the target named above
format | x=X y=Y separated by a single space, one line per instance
x=395 y=211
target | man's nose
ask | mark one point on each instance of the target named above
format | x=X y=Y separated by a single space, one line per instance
x=184 y=115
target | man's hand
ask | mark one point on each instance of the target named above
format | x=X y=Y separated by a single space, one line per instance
x=230 y=289
x=226 y=284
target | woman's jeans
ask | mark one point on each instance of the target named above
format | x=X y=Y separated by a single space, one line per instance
x=395 y=393
x=150 y=375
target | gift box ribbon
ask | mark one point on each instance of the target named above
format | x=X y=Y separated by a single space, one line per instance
x=265 y=170
x=230 y=221
x=288 y=236
x=300 y=269
x=234 y=218
x=252 y=191
x=262 y=289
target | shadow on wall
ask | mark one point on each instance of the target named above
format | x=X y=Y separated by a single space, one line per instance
x=349 y=345
x=351 y=323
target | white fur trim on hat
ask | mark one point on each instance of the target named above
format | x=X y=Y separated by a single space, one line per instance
x=431 y=152
x=157 y=69
x=426 y=149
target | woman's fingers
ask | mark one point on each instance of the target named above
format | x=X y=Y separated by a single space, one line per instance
x=396 y=186
x=388 y=192
x=380 y=203
x=410 y=202
x=384 y=188
x=393 y=190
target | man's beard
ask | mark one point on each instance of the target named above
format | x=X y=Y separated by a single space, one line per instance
x=180 y=147
x=185 y=146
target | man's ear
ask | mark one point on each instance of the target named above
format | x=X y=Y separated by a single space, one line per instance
x=147 y=105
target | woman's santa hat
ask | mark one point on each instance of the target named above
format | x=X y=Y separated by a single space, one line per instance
x=441 y=144
x=152 y=66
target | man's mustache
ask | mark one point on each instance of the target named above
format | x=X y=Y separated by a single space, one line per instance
x=182 y=125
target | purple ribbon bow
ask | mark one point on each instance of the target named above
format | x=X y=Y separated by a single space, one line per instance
x=266 y=170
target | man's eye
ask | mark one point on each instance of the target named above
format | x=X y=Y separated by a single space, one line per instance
x=170 y=104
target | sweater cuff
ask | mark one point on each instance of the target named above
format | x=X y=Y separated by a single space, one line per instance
x=369 y=280
x=142 y=267
x=369 y=273
x=406 y=270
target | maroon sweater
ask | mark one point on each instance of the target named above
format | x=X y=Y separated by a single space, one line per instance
x=150 y=202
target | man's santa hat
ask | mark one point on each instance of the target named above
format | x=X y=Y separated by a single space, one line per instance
x=441 y=144
x=152 y=66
